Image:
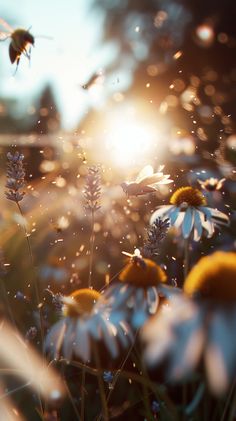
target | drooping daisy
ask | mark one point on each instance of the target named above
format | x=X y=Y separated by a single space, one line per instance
x=139 y=289
x=212 y=184
x=188 y=211
x=199 y=326
x=146 y=182
x=86 y=317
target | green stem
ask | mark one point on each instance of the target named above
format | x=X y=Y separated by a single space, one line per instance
x=92 y=238
x=71 y=400
x=196 y=400
x=146 y=394
x=186 y=257
x=230 y=395
x=34 y=280
x=101 y=385
x=82 y=394
x=157 y=391
x=36 y=295
x=17 y=389
x=160 y=395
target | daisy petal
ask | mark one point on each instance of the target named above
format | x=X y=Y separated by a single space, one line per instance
x=109 y=337
x=206 y=211
x=122 y=337
x=94 y=326
x=173 y=215
x=187 y=223
x=138 y=318
x=139 y=311
x=55 y=337
x=82 y=347
x=69 y=341
x=169 y=292
x=161 y=211
x=219 y=217
x=187 y=350
x=197 y=226
x=124 y=334
x=180 y=218
x=209 y=227
x=152 y=299
x=220 y=354
x=118 y=295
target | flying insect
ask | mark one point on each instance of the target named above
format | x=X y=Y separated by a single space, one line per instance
x=21 y=42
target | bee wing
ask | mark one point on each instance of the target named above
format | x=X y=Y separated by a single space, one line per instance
x=4 y=35
x=127 y=254
x=147 y=171
x=6 y=25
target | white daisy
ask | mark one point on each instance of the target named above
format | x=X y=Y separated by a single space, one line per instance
x=212 y=184
x=87 y=318
x=139 y=290
x=146 y=182
x=189 y=213
x=200 y=327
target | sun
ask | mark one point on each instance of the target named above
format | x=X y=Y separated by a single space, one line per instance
x=129 y=140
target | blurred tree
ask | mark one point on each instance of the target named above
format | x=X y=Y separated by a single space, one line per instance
x=47 y=115
x=10 y=120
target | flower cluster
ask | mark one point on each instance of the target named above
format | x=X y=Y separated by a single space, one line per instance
x=15 y=177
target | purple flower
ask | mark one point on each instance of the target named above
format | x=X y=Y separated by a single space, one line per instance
x=15 y=177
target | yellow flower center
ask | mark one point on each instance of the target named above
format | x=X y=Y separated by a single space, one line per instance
x=214 y=277
x=142 y=273
x=189 y=196
x=80 y=302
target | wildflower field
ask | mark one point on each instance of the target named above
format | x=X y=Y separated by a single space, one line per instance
x=117 y=218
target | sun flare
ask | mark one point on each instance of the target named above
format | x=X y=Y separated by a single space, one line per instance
x=129 y=140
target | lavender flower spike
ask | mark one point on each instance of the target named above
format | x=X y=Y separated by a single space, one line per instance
x=155 y=234
x=92 y=190
x=15 y=177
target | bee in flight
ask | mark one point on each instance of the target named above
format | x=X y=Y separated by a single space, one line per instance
x=96 y=79
x=136 y=258
x=91 y=81
x=21 y=42
x=146 y=182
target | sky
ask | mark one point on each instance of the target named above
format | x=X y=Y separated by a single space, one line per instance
x=75 y=52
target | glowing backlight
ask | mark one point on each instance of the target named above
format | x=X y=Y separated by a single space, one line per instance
x=128 y=140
